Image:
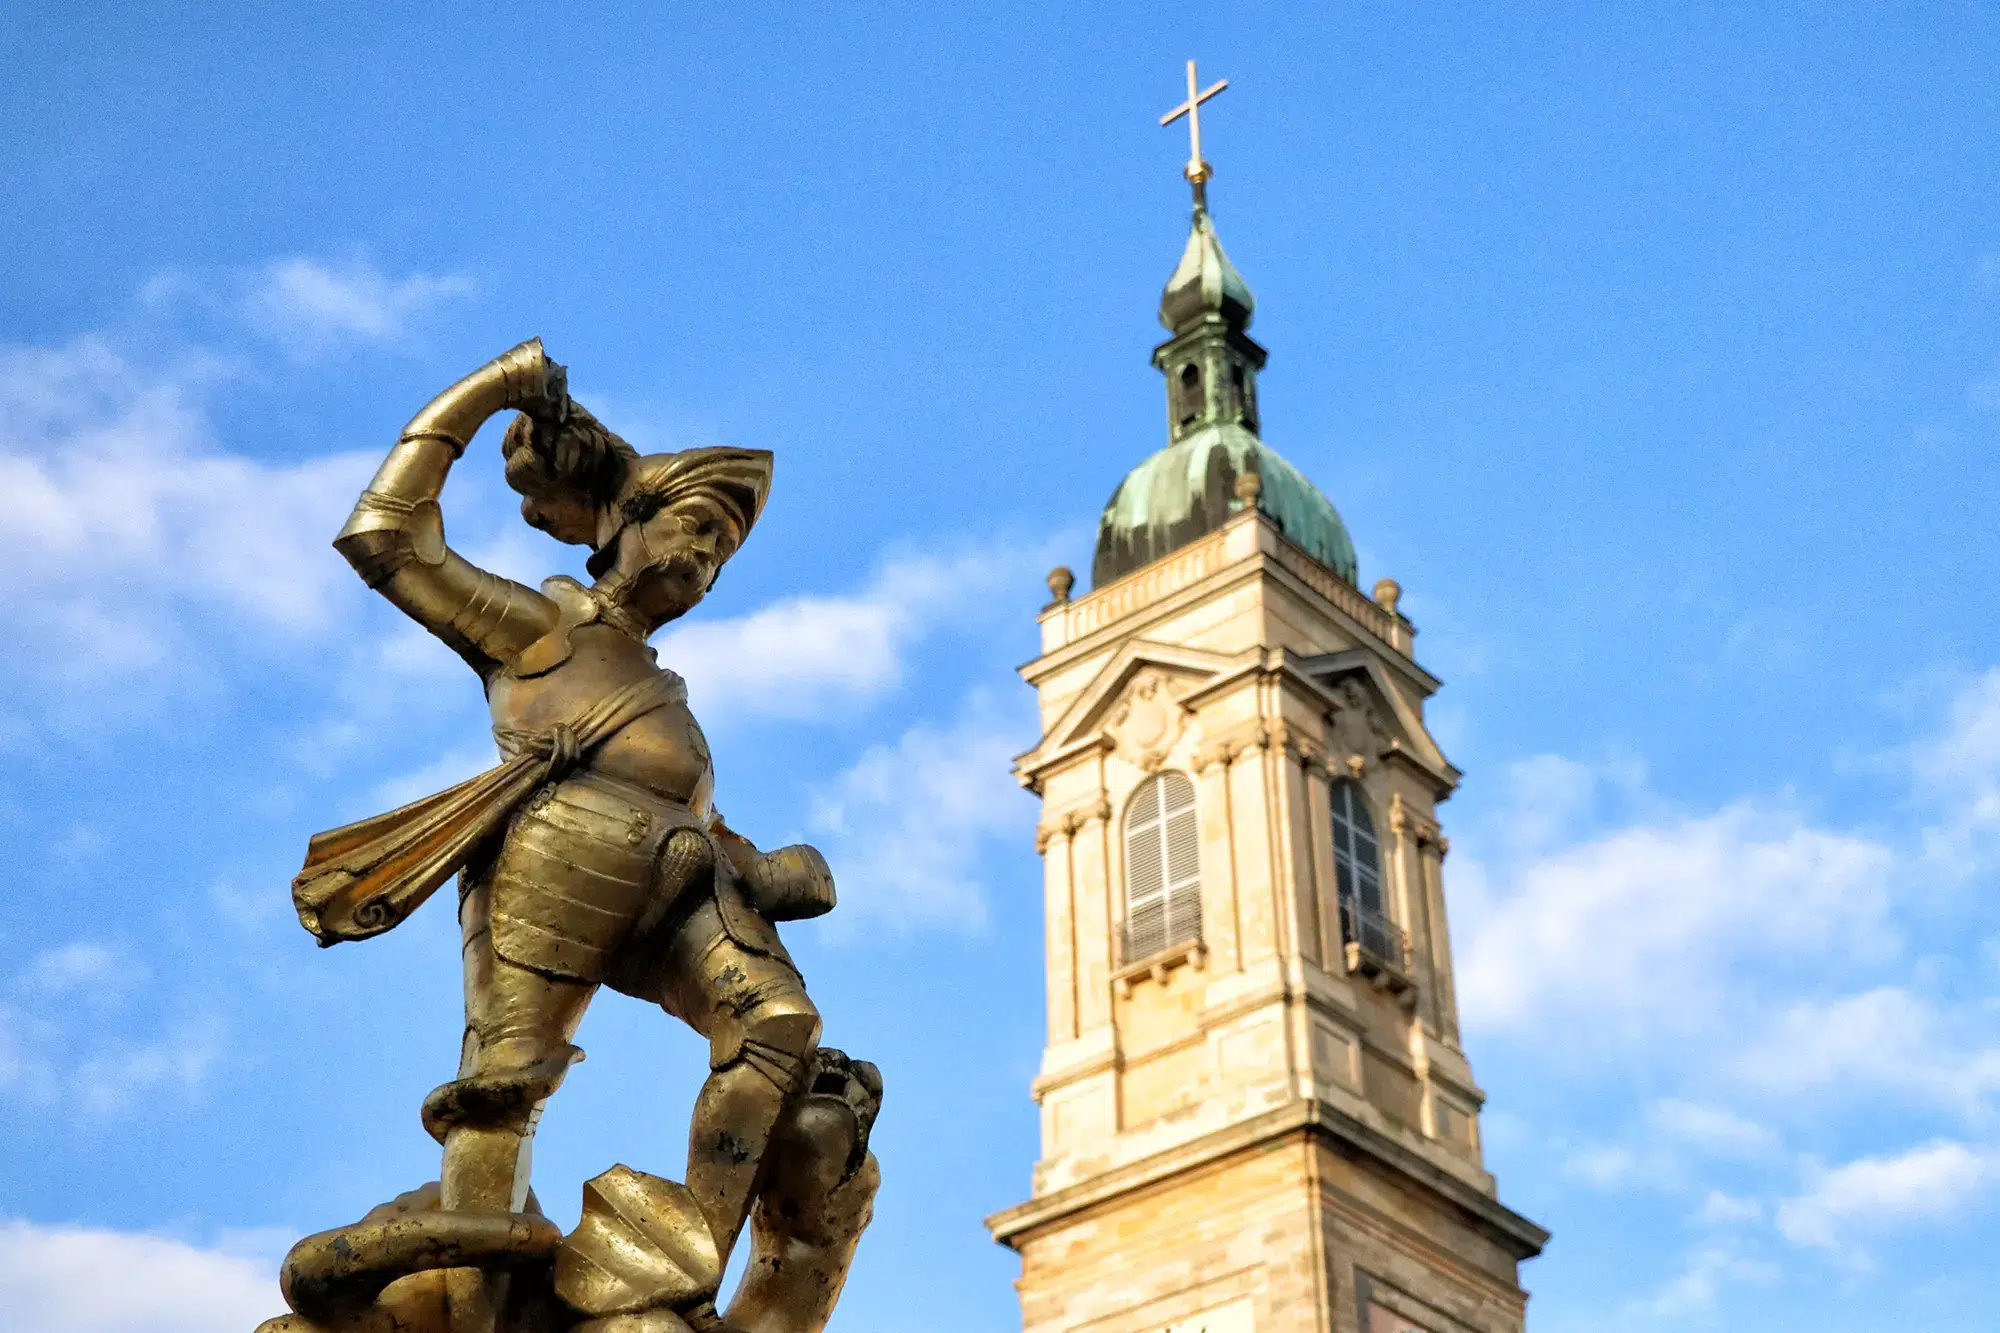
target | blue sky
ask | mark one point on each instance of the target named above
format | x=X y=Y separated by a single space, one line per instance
x=1654 y=349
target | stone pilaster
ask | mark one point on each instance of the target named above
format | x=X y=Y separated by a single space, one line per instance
x=1433 y=851
x=1054 y=840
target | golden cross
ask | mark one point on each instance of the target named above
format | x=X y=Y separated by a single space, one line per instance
x=1197 y=171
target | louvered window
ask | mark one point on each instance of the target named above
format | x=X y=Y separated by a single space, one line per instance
x=1162 y=867
x=1357 y=870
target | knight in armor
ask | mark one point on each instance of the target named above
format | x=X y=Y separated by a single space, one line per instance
x=593 y=854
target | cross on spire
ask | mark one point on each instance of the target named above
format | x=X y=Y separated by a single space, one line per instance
x=1197 y=171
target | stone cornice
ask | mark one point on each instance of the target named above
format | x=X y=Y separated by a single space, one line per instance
x=1507 y=1228
x=1203 y=567
x=1441 y=783
x=1032 y=766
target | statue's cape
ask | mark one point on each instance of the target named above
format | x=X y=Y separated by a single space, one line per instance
x=364 y=878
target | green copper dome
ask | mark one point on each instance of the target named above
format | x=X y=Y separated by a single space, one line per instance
x=1189 y=488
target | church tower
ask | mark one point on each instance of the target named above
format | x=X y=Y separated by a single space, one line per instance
x=1255 y=1113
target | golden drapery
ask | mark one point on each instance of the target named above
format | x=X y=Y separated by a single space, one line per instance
x=364 y=878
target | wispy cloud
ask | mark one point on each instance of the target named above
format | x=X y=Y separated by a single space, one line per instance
x=1710 y=1129
x=1636 y=931
x=79 y=1279
x=59 y=1043
x=1723 y=1209
x=803 y=656
x=120 y=517
x=136 y=545
x=1665 y=1147
x=1706 y=1273
x=906 y=825
x=85 y=964
x=1887 y=1041
x=308 y=306
x=312 y=305
x=1871 y=1194
x=1956 y=772
x=1774 y=980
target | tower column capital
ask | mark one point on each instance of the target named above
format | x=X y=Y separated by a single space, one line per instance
x=1243 y=739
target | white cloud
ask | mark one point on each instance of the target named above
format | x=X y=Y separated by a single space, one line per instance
x=135 y=546
x=84 y=964
x=447 y=770
x=906 y=825
x=1882 y=1041
x=1710 y=1129
x=75 y=1279
x=1720 y=1209
x=1935 y=1180
x=1766 y=978
x=58 y=1049
x=1672 y=921
x=1642 y=929
x=1699 y=1283
x=311 y=305
x=791 y=658
x=803 y=656
x=1957 y=772
x=1547 y=799
x=125 y=527
x=61 y=1063
x=119 y=518
x=1613 y=1165
x=1666 y=1145
x=125 y=1075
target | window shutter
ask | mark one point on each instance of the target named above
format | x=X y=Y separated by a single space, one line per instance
x=1162 y=867
x=1183 y=857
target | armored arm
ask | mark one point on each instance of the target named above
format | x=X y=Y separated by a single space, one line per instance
x=394 y=538
x=790 y=884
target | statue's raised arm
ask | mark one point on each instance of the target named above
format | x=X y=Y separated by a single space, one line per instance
x=394 y=538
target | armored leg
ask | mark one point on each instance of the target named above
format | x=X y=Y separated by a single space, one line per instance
x=817 y=1196
x=518 y=1026
x=761 y=1029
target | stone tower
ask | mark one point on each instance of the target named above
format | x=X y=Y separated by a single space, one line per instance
x=1255 y=1111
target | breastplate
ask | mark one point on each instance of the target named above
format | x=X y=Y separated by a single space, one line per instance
x=664 y=751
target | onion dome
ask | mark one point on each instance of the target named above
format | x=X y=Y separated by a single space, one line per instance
x=1205 y=283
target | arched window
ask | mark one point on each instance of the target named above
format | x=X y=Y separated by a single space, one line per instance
x=1162 y=867
x=1190 y=396
x=1357 y=872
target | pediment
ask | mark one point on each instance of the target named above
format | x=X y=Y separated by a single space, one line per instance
x=1137 y=694
x=1371 y=717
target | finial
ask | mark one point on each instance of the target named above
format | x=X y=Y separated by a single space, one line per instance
x=1196 y=171
x=1387 y=593
x=1060 y=582
x=1248 y=487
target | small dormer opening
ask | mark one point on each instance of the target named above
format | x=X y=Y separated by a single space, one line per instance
x=1244 y=395
x=1190 y=394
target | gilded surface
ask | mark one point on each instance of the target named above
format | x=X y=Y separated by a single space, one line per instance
x=590 y=856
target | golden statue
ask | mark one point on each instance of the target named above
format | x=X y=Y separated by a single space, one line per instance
x=590 y=856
